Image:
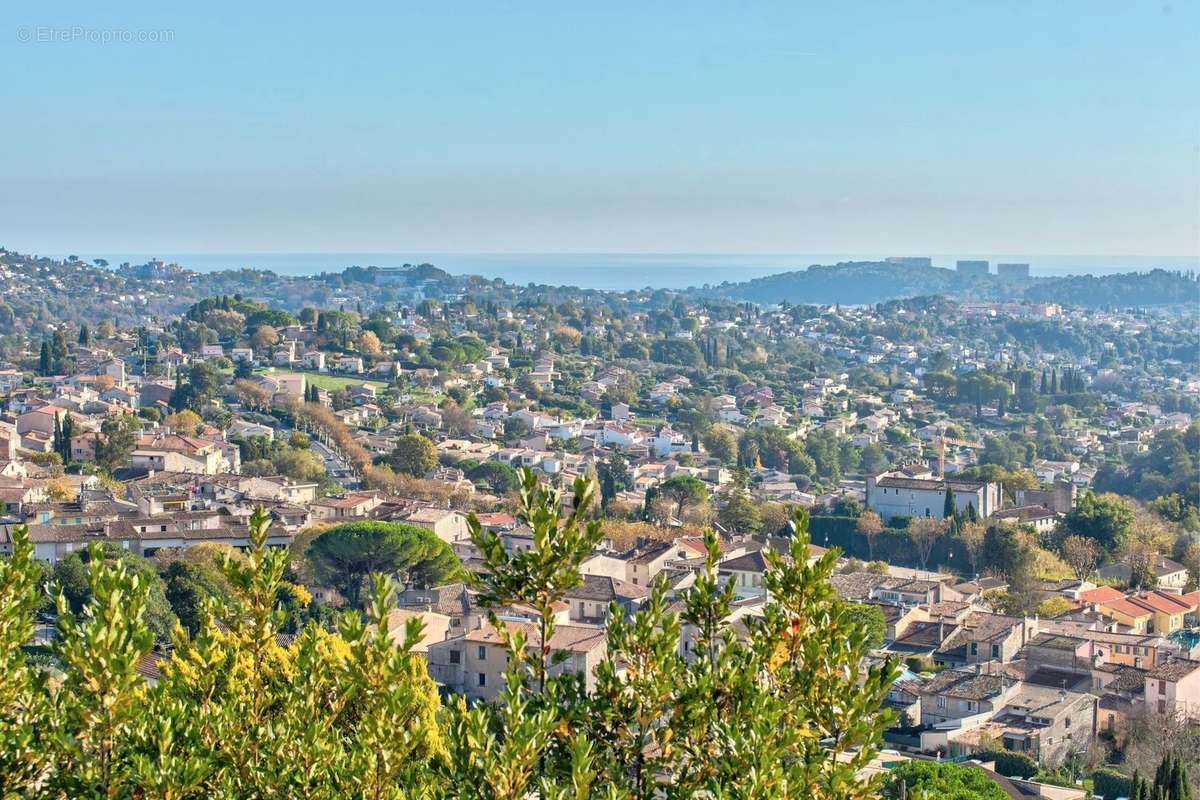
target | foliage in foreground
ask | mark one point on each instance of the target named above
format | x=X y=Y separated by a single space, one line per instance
x=778 y=707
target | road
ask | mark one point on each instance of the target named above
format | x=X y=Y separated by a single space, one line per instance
x=336 y=466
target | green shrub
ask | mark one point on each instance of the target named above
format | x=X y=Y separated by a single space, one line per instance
x=1011 y=764
x=1108 y=782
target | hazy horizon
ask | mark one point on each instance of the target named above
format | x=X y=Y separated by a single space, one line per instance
x=617 y=271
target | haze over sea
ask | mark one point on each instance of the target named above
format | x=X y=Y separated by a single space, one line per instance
x=620 y=270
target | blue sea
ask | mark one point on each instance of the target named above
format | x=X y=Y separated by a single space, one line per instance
x=619 y=270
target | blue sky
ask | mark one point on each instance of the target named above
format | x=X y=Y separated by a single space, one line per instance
x=1019 y=127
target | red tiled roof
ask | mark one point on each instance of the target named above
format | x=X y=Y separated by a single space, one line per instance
x=1101 y=594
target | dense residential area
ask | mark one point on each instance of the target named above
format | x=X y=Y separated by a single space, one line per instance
x=1001 y=494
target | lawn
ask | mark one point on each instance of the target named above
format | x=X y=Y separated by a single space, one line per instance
x=333 y=383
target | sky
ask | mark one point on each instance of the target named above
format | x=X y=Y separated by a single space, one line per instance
x=701 y=127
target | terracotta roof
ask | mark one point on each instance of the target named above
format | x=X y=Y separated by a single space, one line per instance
x=1174 y=670
x=1101 y=594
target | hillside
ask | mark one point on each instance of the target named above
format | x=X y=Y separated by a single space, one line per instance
x=869 y=282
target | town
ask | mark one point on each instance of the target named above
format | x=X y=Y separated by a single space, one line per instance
x=1010 y=486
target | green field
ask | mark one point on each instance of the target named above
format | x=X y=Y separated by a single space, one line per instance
x=333 y=383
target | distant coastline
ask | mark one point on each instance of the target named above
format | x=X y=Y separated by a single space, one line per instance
x=618 y=271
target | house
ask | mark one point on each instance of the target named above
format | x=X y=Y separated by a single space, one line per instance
x=647 y=559
x=348 y=506
x=474 y=663
x=454 y=600
x=435 y=627
x=1040 y=518
x=1168 y=574
x=982 y=637
x=1149 y=612
x=590 y=601
x=173 y=453
x=896 y=495
x=1174 y=687
x=1045 y=722
x=746 y=572
x=352 y=364
x=955 y=694
x=449 y=526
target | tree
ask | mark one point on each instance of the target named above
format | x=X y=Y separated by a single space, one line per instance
x=499 y=477
x=352 y=712
x=265 y=337
x=739 y=514
x=684 y=490
x=1081 y=554
x=721 y=444
x=368 y=344
x=869 y=525
x=185 y=422
x=71 y=580
x=868 y=617
x=1106 y=518
x=193 y=577
x=1002 y=546
x=924 y=533
x=929 y=779
x=972 y=535
x=116 y=441
x=84 y=336
x=413 y=455
x=345 y=555
x=300 y=465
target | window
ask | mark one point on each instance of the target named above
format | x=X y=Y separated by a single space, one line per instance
x=481 y=654
x=482 y=679
x=970 y=705
x=941 y=702
x=455 y=656
x=1162 y=687
x=995 y=651
x=974 y=648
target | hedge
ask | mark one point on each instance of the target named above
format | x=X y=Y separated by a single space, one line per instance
x=1010 y=764
x=892 y=544
x=1108 y=782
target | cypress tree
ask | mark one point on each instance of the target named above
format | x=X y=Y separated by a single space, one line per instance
x=68 y=432
x=44 y=359
x=1183 y=782
x=1162 y=776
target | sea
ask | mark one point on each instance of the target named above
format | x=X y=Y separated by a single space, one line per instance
x=621 y=271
